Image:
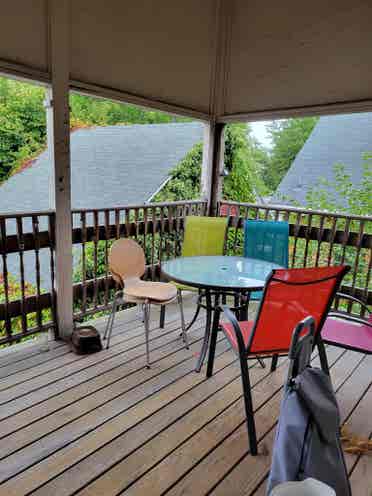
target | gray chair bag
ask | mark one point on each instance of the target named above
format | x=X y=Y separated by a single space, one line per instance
x=307 y=442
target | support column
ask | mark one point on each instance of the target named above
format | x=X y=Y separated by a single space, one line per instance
x=60 y=142
x=213 y=164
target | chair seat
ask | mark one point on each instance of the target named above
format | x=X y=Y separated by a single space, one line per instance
x=246 y=328
x=157 y=292
x=340 y=332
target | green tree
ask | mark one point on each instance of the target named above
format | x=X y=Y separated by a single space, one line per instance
x=89 y=111
x=243 y=161
x=22 y=124
x=288 y=137
x=184 y=182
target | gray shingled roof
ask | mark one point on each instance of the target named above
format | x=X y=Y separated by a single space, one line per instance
x=113 y=165
x=335 y=139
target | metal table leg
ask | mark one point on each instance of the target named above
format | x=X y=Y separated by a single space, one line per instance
x=204 y=348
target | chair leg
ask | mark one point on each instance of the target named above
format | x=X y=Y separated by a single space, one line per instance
x=162 y=317
x=212 y=346
x=147 y=331
x=261 y=362
x=196 y=314
x=183 y=325
x=251 y=426
x=274 y=363
x=110 y=321
x=322 y=355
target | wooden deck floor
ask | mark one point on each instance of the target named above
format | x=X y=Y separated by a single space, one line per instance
x=104 y=425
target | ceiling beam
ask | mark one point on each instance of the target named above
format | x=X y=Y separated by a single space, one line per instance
x=141 y=101
x=313 y=110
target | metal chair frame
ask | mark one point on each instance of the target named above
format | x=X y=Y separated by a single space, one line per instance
x=243 y=351
x=352 y=318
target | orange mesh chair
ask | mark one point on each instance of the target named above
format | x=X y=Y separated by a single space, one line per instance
x=289 y=296
x=127 y=266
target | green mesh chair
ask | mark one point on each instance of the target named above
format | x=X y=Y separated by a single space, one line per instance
x=203 y=236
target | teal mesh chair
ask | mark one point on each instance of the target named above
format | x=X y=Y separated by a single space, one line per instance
x=266 y=240
x=203 y=236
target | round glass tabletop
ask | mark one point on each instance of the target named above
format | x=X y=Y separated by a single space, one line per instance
x=219 y=272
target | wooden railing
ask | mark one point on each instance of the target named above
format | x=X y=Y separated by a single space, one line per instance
x=158 y=228
x=27 y=253
x=27 y=298
x=316 y=238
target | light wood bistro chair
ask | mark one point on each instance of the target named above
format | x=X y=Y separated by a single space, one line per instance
x=127 y=265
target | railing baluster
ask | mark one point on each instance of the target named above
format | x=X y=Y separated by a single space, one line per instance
x=297 y=228
x=356 y=262
x=83 y=224
x=107 y=238
x=19 y=222
x=145 y=222
x=8 y=322
x=320 y=238
x=368 y=278
x=95 y=257
x=235 y=225
x=117 y=222
x=307 y=237
x=35 y=230
x=345 y=240
x=331 y=244
x=153 y=234
x=136 y=222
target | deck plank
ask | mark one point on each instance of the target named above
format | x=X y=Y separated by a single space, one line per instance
x=42 y=370
x=348 y=395
x=85 y=383
x=199 y=464
x=41 y=388
x=168 y=356
x=103 y=424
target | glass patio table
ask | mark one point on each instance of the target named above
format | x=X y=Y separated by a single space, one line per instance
x=217 y=275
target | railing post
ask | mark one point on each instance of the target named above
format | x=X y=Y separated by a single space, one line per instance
x=212 y=166
x=60 y=142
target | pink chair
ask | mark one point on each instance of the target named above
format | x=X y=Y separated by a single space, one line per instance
x=347 y=331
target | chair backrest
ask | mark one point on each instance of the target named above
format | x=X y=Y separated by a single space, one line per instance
x=290 y=295
x=267 y=240
x=126 y=260
x=204 y=236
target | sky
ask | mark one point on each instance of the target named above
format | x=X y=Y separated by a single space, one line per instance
x=260 y=133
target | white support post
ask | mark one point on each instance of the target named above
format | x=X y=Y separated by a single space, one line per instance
x=60 y=141
x=212 y=165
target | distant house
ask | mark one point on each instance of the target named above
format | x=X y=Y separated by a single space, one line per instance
x=336 y=139
x=110 y=166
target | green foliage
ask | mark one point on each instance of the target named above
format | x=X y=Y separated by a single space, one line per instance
x=22 y=124
x=89 y=261
x=184 y=183
x=89 y=111
x=288 y=137
x=357 y=198
x=244 y=161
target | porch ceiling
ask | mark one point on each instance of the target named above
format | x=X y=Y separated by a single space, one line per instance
x=213 y=58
